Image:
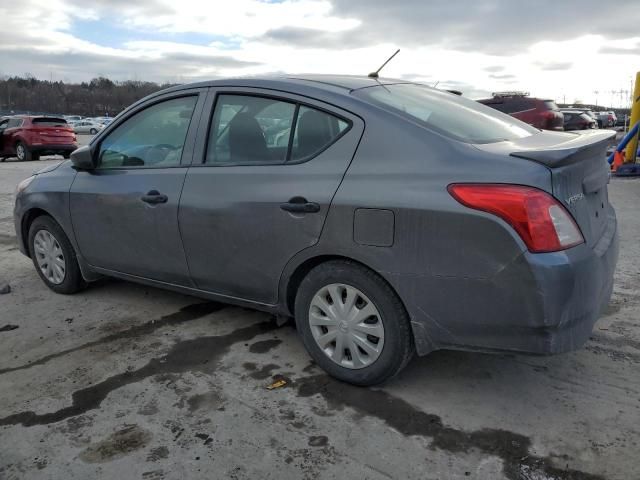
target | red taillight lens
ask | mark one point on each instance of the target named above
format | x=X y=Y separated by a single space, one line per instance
x=540 y=220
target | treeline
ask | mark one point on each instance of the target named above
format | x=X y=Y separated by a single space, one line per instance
x=101 y=96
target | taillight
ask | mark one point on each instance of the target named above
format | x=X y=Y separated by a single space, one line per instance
x=541 y=221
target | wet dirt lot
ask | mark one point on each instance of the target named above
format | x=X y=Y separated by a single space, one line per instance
x=125 y=381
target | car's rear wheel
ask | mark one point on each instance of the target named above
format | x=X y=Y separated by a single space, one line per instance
x=352 y=323
x=93 y=131
x=54 y=257
x=23 y=153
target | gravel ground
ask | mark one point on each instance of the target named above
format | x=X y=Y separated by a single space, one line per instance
x=126 y=381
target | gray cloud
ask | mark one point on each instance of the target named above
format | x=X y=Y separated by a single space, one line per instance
x=621 y=51
x=172 y=67
x=494 y=69
x=506 y=76
x=552 y=66
x=498 y=27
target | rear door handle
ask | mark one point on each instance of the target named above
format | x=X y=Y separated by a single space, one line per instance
x=154 y=197
x=300 y=205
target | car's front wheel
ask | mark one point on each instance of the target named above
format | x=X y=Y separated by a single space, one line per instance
x=93 y=131
x=54 y=257
x=352 y=323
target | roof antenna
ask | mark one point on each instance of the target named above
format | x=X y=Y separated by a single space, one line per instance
x=375 y=74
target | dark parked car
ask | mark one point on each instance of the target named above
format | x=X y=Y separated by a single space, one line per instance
x=578 y=120
x=395 y=218
x=543 y=114
x=27 y=137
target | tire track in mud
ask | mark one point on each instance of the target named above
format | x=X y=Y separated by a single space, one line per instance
x=185 y=314
x=199 y=354
x=512 y=448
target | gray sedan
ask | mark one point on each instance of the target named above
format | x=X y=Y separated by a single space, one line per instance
x=394 y=219
x=86 y=126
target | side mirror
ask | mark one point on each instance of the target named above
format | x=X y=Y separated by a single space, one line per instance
x=82 y=158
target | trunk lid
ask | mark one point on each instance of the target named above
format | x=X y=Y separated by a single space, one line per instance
x=579 y=173
x=52 y=130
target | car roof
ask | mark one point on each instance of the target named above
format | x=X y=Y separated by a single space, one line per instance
x=329 y=83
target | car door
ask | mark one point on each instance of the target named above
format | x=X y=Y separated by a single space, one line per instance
x=3 y=144
x=260 y=187
x=11 y=135
x=125 y=211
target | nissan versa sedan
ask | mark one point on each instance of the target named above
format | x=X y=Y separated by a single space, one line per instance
x=387 y=217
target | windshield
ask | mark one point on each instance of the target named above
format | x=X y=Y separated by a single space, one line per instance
x=450 y=115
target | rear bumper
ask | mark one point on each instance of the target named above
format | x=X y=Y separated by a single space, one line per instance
x=54 y=148
x=539 y=303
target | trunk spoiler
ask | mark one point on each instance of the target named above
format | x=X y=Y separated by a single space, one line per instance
x=567 y=151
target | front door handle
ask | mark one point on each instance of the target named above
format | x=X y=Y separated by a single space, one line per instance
x=154 y=197
x=300 y=205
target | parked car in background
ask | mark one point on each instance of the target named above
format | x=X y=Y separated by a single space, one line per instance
x=607 y=119
x=578 y=120
x=351 y=203
x=85 y=126
x=27 y=137
x=101 y=120
x=540 y=113
x=72 y=118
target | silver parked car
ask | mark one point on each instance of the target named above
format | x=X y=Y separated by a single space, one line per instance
x=395 y=218
x=86 y=126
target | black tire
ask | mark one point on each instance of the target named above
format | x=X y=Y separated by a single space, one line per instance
x=66 y=155
x=73 y=281
x=398 y=346
x=23 y=153
x=93 y=131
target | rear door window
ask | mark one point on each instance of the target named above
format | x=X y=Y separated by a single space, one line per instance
x=249 y=130
x=252 y=130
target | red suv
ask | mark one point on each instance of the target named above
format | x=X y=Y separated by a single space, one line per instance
x=543 y=114
x=28 y=137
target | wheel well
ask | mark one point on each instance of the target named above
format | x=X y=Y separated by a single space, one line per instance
x=305 y=267
x=27 y=220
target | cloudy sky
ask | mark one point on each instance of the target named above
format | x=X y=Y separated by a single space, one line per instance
x=562 y=49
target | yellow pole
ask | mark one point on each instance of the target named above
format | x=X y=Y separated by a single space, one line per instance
x=632 y=146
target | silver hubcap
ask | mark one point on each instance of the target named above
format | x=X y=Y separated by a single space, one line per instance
x=20 y=152
x=346 y=325
x=49 y=256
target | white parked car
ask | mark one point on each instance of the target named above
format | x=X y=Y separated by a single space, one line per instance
x=72 y=118
x=85 y=126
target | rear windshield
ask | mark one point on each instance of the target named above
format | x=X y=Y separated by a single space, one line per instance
x=450 y=115
x=551 y=105
x=49 y=122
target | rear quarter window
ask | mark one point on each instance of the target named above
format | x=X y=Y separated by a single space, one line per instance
x=449 y=115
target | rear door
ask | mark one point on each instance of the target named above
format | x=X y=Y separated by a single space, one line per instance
x=125 y=212
x=264 y=174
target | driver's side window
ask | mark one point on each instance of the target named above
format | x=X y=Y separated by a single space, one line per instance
x=151 y=138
